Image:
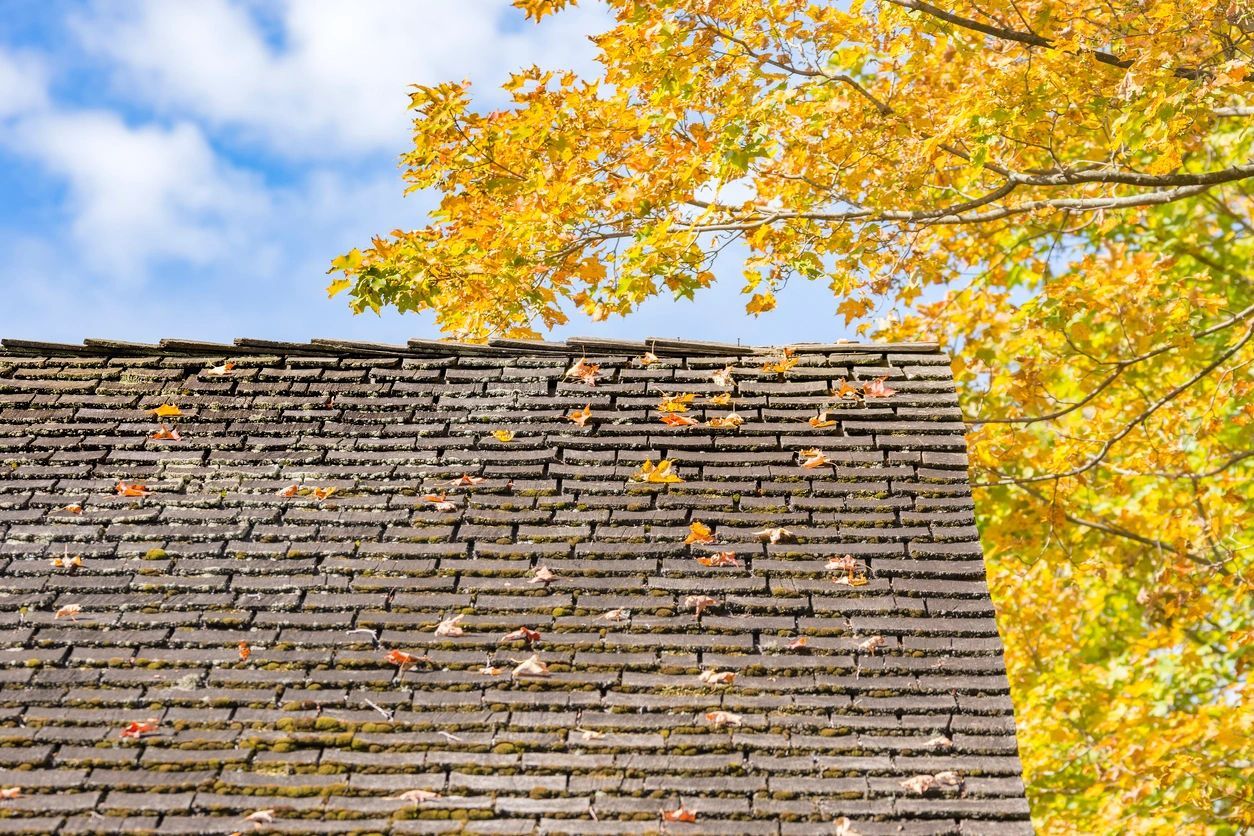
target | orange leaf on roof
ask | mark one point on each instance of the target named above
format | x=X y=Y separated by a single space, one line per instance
x=245 y=650
x=131 y=489
x=166 y=410
x=165 y=434
x=719 y=559
x=680 y=814
x=139 y=728
x=67 y=611
x=699 y=532
x=401 y=658
x=467 y=480
x=224 y=369
x=288 y=492
x=813 y=458
x=845 y=391
x=9 y=793
x=74 y=508
x=648 y=359
x=717 y=677
x=580 y=416
x=672 y=420
x=322 y=493
x=779 y=366
x=822 y=421
x=585 y=371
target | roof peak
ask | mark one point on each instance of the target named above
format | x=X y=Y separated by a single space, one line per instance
x=573 y=346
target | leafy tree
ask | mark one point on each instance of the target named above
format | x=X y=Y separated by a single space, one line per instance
x=1059 y=190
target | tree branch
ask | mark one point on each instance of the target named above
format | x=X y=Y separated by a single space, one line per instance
x=1026 y=38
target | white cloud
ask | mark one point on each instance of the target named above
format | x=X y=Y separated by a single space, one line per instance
x=138 y=195
x=327 y=77
x=23 y=83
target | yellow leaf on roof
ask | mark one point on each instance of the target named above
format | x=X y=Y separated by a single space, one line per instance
x=660 y=472
x=503 y=436
x=167 y=410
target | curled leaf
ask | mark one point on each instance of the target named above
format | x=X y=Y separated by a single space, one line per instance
x=69 y=611
x=131 y=489
x=672 y=420
x=221 y=371
x=10 y=793
x=846 y=391
x=616 y=615
x=584 y=371
x=718 y=719
x=821 y=421
x=580 y=416
x=730 y=421
x=719 y=559
x=775 y=536
x=779 y=366
x=721 y=399
x=164 y=433
x=503 y=436
x=661 y=472
x=699 y=603
x=544 y=575
x=813 y=458
x=872 y=644
x=138 y=729
x=675 y=403
x=245 y=650
x=450 y=627
x=467 y=481
x=74 y=508
x=797 y=643
x=648 y=359
x=531 y=666
x=322 y=493
x=288 y=492
x=723 y=377
x=699 y=532
x=522 y=634
x=877 y=388
x=416 y=797
x=679 y=814
x=718 y=677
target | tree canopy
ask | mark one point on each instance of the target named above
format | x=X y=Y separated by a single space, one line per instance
x=1058 y=190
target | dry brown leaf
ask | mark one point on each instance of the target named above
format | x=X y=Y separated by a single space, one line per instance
x=68 y=611
x=723 y=377
x=416 y=797
x=522 y=634
x=844 y=827
x=322 y=493
x=797 y=643
x=617 y=615
x=532 y=666
x=544 y=575
x=221 y=371
x=719 y=559
x=699 y=603
x=730 y=421
x=467 y=481
x=589 y=734
x=939 y=743
x=648 y=359
x=775 y=536
x=450 y=627
x=587 y=372
x=259 y=817
x=489 y=670
x=402 y=659
x=779 y=366
x=718 y=719
x=580 y=416
x=718 y=677
x=73 y=508
x=872 y=644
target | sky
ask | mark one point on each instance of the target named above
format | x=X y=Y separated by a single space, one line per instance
x=189 y=169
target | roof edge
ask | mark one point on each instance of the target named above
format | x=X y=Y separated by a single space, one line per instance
x=322 y=347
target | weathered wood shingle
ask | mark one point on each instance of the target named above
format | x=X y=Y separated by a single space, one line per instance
x=899 y=677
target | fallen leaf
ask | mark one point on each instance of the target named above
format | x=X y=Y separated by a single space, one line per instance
x=488 y=670
x=723 y=377
x=813 y=458
x=531 y=666
x=797 y=643
x=844 y=827
x=166 y=411
x=679 y=814
x=224 y=369
x=139 y=728
x=675 y=403
x=585 y=371
x=938 y=743
x=725 y=422
x=721 y=399
x=400 y=658
x=699 y=532
x=260 y=817
x=75 y=562
x=948 y=778
x=877 y=388
x=322 y=493
x=522 y=634
x=719 y=559
x=718 y=677
x=288 y=492
x=245 y=650
x=618 y=615
x=846 y=391
x=872 y=644
x=543 y=575
x=590 y=734
x=723 y=718
x=919 y=783
x=672 y=420
x=131 y=489
x=440 y=502
x=503 y=436
x=779 y=366
x=851 y=580
x=467 y=481
x=9 y=793
x=580 y=416
x=68 y=611
x=73 y=509
x=775 y=536
x=417 y=796
x=450 y=627
x=164 y=433
x=852 y=569
x=648 y=359
x=699 y=603
x=655 y=473
x=821 y=421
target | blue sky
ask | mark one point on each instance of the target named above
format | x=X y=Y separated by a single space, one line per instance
x=189 y=169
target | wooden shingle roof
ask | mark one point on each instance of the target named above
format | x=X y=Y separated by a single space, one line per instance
x=843 y=695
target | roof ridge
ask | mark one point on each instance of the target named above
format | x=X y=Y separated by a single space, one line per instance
x=573 y=346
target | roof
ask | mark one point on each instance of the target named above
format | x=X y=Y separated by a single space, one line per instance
x=224 y=646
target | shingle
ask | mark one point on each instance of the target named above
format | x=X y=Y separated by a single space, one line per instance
x=314 y=721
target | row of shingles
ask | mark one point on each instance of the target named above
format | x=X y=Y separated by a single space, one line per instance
x=872 y=372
